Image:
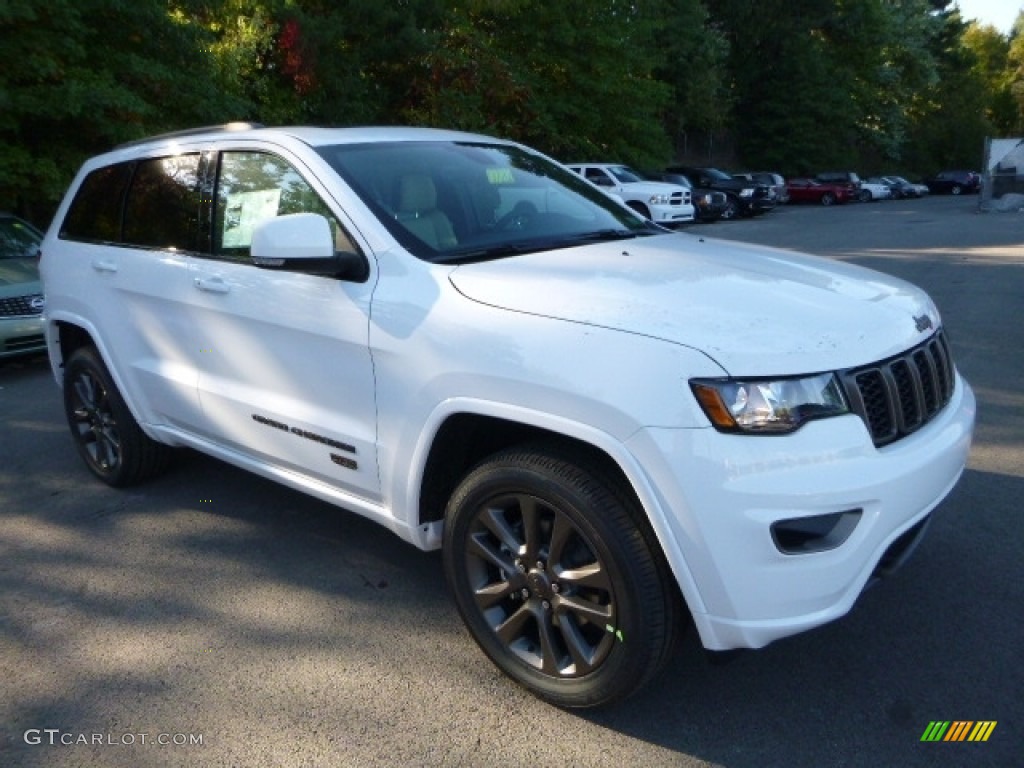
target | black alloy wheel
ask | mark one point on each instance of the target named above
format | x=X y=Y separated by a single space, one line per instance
x=106 y=434
x=558 y=577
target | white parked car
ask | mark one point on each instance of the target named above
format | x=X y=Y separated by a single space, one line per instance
x=603 y=425
x=661 y=202
x=874 y=191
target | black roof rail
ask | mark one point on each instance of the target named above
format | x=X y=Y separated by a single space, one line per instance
x=223 y=128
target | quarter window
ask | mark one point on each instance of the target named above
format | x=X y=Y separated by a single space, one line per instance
x=95 y=214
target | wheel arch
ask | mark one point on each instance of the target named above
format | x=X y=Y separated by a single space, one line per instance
x=65 y=335
x=464 y=436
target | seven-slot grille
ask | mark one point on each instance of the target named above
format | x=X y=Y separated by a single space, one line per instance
x=898 y=396
x=21 y=306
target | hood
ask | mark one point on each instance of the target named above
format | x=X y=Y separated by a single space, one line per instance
x=652 y=187
x=756 y=311
x=19 y=272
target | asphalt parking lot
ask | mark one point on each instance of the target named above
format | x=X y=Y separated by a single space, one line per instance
x=213 y=618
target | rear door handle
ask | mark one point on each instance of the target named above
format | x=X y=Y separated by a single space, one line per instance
x=102 y=265
x=212 y=284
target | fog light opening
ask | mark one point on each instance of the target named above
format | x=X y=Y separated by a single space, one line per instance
x=819 y=533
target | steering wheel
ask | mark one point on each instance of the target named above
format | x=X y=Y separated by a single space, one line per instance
x=518 y=217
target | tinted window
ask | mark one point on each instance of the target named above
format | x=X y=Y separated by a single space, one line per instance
x=18 y=240
x=253 y=186
x=95 y=213
x=163 y=203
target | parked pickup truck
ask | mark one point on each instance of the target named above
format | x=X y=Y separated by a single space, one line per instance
x=743 y=197
x=662 y=203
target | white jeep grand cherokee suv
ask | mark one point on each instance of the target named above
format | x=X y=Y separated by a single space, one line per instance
x=604 y=426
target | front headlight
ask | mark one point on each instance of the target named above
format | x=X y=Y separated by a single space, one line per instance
x=659 y=199
x=747 y=192
x=769 y=406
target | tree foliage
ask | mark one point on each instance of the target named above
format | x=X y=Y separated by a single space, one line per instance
x=790 y=85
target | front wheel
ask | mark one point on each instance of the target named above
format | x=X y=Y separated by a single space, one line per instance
x=828 y=198
x=558 y=578
x=731 y=210
x=956 y=190
x=106 y=434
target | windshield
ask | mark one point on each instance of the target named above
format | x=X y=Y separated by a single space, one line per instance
x=714 y=173
x=458 y=202
x=18 y=240
x=625 y=174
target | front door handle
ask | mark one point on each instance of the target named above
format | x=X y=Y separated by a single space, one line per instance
x=103 y=265
x=212 y=284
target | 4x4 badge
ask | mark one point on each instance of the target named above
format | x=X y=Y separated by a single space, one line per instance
x=923 y=322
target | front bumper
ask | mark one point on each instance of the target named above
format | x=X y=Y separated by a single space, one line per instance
x=21 y=336
x=672 y=215
x=717 y=497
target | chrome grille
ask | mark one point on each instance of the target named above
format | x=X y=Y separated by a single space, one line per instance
x=21 y=306
x=900 y=395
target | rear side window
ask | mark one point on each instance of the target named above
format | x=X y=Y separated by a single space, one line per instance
x=152 y=203
x=95 y=213
x=163 y=204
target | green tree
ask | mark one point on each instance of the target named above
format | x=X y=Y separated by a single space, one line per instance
x=573 y=78
x=949 y=125
x=691 y=56
x=991 y=54
x=1015 y=71
x=821 y=83
x=78 y=76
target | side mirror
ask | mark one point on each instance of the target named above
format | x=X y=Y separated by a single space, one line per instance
x=302 y=242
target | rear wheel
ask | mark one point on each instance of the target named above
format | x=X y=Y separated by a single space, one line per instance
x=106 y=434
x=558 y=578
x=956 y=190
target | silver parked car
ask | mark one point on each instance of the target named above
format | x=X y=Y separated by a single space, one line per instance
x=21 y=295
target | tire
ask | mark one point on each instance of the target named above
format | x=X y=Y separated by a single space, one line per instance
x=866 y=196
x=578 y=605
x=827 y=199
x=732 y=209
x=956 y=189
x=106 y=434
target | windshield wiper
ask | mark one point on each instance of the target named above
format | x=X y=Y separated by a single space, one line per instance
x=484 y=254
x=605 y=235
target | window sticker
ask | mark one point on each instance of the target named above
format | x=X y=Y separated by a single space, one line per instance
x=500 y=176
x=243 y=211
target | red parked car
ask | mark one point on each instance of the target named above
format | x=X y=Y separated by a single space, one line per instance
x=811 y=191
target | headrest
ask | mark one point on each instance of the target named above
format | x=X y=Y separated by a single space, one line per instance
x=417 y=193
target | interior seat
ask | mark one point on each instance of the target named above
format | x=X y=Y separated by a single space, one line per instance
x=418 y=212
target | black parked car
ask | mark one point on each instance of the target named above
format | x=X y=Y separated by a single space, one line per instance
x=743 y=198
x=954 y=182
x=708 y=205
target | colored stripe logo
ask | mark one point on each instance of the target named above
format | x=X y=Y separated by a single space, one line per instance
x=959 y=730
